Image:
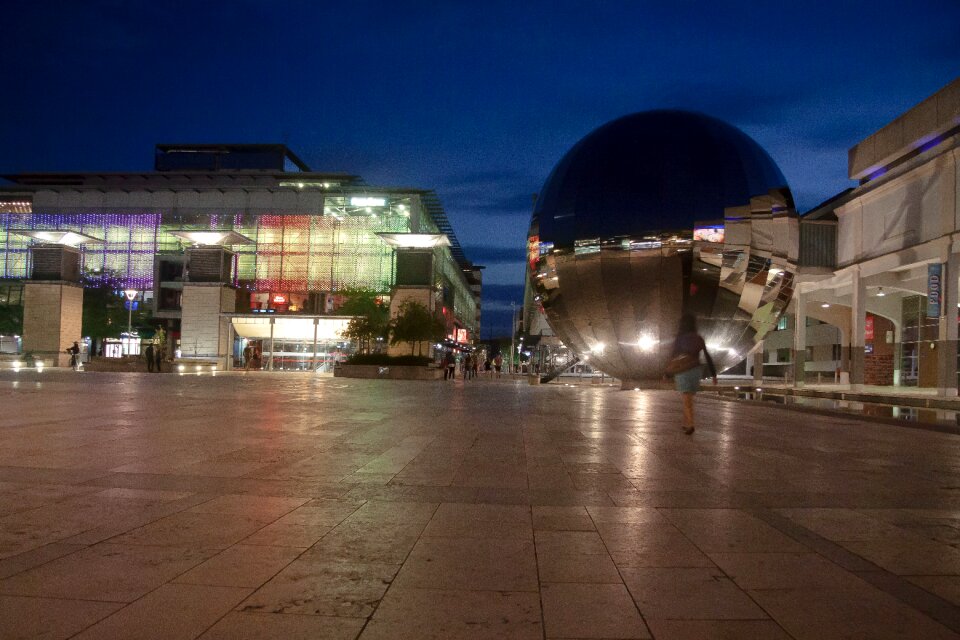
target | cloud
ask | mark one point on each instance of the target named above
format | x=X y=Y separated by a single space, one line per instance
x=491 y=192
x=487 y=177
x=520 y=204
x=487 y=255
x=730 y=101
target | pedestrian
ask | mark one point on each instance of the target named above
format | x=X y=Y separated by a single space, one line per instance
x=449 y=365
x=158 y=356
x=467 y=367
x=247 y=357
x=74 y=352
x=148 y=354
x=685 y=367
x=475 y=365
x=498 y=364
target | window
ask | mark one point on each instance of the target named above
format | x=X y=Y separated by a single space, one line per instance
x=782 y=323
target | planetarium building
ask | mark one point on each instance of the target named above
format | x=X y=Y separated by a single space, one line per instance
x=655 y=215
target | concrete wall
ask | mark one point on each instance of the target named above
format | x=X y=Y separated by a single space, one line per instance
x=914 y=208
x=204 y=334
x=52 y=320
x=138 y=201
x=936 y=114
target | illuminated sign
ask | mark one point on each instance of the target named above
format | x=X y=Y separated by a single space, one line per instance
x=708 y=234
x=279 y=299
x=367 y=202
x=934 y=276
x=462 y=336
x=533 y=251
x=868 y=333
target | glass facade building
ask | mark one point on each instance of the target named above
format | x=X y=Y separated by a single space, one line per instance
x=300 y=235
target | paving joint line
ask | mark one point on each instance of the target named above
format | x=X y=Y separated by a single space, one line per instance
x=929 y=604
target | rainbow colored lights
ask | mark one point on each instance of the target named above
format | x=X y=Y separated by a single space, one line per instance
x=294 y=253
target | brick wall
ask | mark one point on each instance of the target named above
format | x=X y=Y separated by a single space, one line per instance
x=878 y=369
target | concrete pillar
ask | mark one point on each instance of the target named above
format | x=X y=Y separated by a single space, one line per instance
x=270 y=361
x=799 y=340
x=758 y=364
x=204 y=332
x=52 y=320
x=313 y=358
x=858 y=328
x=231 y=339
x=947 y=343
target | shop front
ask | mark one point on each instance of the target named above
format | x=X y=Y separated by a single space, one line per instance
x=288 y=342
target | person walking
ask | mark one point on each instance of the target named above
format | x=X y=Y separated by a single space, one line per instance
x=148 y=354
x=449 y=365
x=247 y=357
x=158 y=357
x=685 y=367
x=498 y=364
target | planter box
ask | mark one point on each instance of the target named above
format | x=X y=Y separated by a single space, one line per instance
x=389 y=372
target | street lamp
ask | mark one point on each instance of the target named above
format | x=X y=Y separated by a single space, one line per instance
x=131 y=295
x=513 y=334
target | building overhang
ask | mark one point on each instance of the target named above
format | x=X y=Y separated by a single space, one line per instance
x=257 y=326
x=211 y=237
x=415 y=240
x=68 y=238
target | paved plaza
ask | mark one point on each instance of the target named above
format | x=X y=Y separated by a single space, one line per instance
x=267 y=506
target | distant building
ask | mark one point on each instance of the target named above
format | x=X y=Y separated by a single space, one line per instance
x=298 y=239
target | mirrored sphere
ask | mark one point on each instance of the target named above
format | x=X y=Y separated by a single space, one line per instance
x=654 y=215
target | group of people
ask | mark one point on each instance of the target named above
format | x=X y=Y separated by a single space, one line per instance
x=251 y=357
x=470 y=366
x=154 y=357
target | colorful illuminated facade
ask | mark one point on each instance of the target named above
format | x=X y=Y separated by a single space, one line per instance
x=300 y=238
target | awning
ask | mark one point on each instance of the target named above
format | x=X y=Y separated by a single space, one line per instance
x=289 y=327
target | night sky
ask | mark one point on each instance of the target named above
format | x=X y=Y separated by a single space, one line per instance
x=476 y=101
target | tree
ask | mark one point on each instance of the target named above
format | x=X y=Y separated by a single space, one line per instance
x=11 y=319
x=371 y=318
x=415 y=324
x=104 y=315
x=364 y=331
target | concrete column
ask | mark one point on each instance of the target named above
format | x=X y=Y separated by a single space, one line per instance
x=231 y=339
x=52 y=320
x=313 y=359
x=204 y=330
x=947 y=343
x=799 y=340
x=758 y=364
x=270 y=361
x=858 y=329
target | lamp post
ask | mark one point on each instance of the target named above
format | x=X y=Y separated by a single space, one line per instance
x=131 y=295
x=513 y=333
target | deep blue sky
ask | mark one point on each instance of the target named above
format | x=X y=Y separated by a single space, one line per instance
x=475 y=101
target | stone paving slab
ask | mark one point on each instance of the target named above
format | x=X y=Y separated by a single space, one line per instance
x=273 y=505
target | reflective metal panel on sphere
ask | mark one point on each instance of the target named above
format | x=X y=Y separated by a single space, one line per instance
x=655 y=215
